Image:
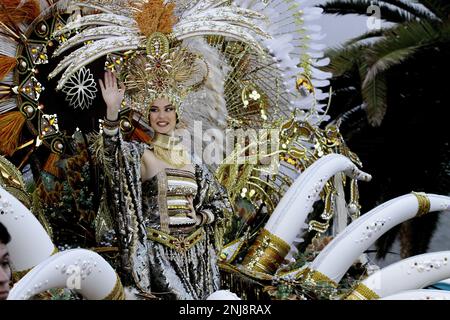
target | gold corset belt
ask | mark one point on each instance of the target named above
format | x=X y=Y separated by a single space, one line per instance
x=179 y=244
x=174 y=186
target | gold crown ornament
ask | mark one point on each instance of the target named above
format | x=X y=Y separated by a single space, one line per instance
x=165 y=69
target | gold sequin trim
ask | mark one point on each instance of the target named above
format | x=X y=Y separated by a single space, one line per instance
x=175 y=179
x=266 y=254
x=117 y=293
x=179 y=244
x=178 y=207
x=180 y=173
x=315 y=276
x=181 y=190
x=176 y=197
x=162 y=201
x=362 y=292
x=424 y=203
x=179 y=213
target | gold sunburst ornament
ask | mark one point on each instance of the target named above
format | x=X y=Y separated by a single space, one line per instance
x=164 y=69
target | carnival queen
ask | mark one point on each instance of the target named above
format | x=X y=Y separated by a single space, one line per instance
x=166 y=210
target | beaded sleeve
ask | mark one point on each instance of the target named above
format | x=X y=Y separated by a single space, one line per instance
x=213 y=203
x=121 y=161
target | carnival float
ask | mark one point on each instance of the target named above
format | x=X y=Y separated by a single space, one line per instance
x=295 y=230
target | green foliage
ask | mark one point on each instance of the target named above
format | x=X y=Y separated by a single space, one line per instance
x=418 y=29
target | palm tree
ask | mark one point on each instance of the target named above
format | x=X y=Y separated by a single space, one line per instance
x=416 y=29
x=391 y=100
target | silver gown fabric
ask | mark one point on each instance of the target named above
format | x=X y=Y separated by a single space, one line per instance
x=131 y=209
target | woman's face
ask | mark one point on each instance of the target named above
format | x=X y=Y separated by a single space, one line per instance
x=163 y=117
x=5 y=272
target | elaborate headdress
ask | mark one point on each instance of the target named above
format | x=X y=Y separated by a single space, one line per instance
x=165 y=68
x=256 y=56
x=251 y=64
x=162 y=70
x=147 y=51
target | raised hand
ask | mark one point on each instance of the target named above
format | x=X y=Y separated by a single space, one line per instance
x=112 y=95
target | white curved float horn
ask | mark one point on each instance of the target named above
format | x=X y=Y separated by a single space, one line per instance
x=82 y=270
x=223 y=295
x=335 y=259
x=287 y=220
x=421 y=294
x=408 y=274
x=29 y=244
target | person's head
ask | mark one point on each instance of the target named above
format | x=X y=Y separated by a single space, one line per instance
x=5 y=269
x=162 y=116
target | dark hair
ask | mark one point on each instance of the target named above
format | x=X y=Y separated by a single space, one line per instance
x=4 y=234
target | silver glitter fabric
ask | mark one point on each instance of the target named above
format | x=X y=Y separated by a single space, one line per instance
x=153 y=265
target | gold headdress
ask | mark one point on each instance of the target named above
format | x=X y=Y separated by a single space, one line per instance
x=247 y=57
x=164 y=69
x=148 y=50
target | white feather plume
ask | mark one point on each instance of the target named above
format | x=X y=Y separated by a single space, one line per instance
x=208 y=105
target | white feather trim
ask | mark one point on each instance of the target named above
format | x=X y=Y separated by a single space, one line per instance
x=7 y=46
x=7 y=105
x=207 y=105
x=95 y=34
x=105 y=19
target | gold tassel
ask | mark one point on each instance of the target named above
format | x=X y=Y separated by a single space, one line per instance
x=6 y=65
x=11 y=124
x=50 y=165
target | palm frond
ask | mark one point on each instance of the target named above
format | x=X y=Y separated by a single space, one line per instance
x=409 y=6
x=365 y=36
x=344 y=58
x=438 y=7
x=374 y=94
x=387 y=61
x=359 y=7
x=399 y=44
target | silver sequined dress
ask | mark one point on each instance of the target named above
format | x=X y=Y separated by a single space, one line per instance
x=163 y=252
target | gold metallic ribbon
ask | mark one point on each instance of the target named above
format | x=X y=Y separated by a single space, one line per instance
x=362 y=292
x=315 y=276
x=117 y=293
x=424 y=203
x=179 y=244
x=266 y=254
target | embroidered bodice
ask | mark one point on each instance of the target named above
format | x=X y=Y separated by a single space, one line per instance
x=165 y=203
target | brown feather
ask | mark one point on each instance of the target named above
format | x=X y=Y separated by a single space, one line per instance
x=11 y=124
x=26 y=13
x=51 y=167
x=155 y=16
x=6 y=65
